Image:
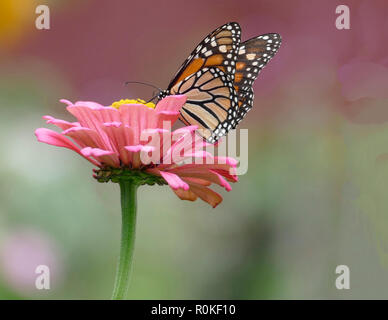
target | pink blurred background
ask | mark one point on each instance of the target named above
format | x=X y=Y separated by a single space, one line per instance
x=314 y=196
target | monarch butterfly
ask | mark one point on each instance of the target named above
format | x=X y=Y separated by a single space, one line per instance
x=217 y=79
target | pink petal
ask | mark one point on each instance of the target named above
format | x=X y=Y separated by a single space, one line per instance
x=138 y=117
x=120 y=136
x=185 y=194
x=165 y=119
x=89 y=104
x=211 y=176
x=222 y=169
x=104 y=156
x=159 y=139
x=184 y=143
x=139 y=152
x=93 y=118
x=201 y=167
x=107 y=114
x=139 y=147
x=232 y=177
x=96 y=152
x=226 y=160
x=69 y=103
x=167 y=110
x=85 y=137
x=60 y=123
x=174 y=181
x=54 y=138
x=155 y=130
x=197 y=181
x=115 y=124
x=206 y=194
x=171 y=103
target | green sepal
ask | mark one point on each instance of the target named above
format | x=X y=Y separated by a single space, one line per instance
x=138 y=177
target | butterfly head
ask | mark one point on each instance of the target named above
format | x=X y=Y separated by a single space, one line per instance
x=162 y=94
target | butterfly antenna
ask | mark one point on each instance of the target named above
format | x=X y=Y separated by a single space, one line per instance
x=154 y=97
x=147 y=84
x=144 y=83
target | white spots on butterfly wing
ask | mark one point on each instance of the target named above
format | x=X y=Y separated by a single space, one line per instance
x=251 y=56
x=222 y=48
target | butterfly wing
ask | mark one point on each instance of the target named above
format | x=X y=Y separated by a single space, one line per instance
x=218 y=49
x=252 y=57
x=206 y=78
x=217 y=79
x=211 y=102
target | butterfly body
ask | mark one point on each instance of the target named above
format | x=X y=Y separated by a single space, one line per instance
x=217 y=79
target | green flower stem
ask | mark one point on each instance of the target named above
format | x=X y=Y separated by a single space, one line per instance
x=128 y=190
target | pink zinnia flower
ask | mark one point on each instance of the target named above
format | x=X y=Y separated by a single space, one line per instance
x=110 y=138
x=131 y=143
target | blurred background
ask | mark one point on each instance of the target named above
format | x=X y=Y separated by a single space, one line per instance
x=314 y=197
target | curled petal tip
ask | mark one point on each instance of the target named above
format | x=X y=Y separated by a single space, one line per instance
x=174 y=181
x=69 y=103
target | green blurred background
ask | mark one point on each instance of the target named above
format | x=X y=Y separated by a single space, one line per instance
x=314 y=197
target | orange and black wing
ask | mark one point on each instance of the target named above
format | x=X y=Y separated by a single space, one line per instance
x=206 y=78
x=211 y=102
x=217 y=79
x=253 y=55
x=218 y=50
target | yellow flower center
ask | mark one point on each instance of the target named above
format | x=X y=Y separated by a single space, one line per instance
x=118 y=104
